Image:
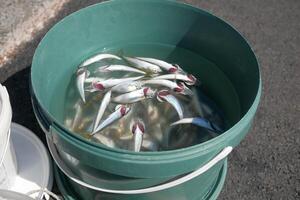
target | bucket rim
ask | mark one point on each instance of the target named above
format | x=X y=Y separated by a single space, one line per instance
x=203 y=146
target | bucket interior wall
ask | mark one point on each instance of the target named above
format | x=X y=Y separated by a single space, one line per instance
x=82 y=34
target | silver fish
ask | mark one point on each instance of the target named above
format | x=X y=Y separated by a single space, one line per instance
x=127 y=86
x=81 y=75
x=97 y=58
x=93 y=79
x=138 y=130
x=189 y=79
x=143 y=65
x=103 y=106
x=199 y=122
x=164 y=95
x=162 y=64
x=176 y=87
x=134 y=96
x=108 y=83
x=113 y=68
x=120 y=112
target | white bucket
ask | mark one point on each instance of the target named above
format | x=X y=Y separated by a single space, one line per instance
x=25 y=164
x=10 y=195
x=8 y=163
x=8 y=169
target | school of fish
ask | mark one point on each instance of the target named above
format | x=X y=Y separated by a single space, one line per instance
x=148 y=78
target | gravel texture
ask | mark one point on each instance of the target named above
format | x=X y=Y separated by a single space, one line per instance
x=266 y=164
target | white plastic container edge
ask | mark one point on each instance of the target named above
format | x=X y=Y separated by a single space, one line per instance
x=8 y=163
x=18 y=148
x=5 y=121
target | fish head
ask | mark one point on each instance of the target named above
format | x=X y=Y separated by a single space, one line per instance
x=139 y=124
x=192 y=79
x=98 y=86
x=179 y=88
x=161 y=95
x=183 y=89
x=124 y=110
x=178 y=68
x=173 y=69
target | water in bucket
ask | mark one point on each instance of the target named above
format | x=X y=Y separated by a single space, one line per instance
x=157 y=116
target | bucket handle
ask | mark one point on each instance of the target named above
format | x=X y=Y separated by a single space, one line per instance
x=223 y=154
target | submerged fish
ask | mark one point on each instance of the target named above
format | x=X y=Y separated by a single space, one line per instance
x=138 y=130
x=134 y=96
x=143 y=65
x=97 y=58
x=199 y=122
x=166 y=96
x=81 y=75
x=162 y=64
x=120 y=112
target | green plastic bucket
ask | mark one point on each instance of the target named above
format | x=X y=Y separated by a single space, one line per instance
x=123 y=23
